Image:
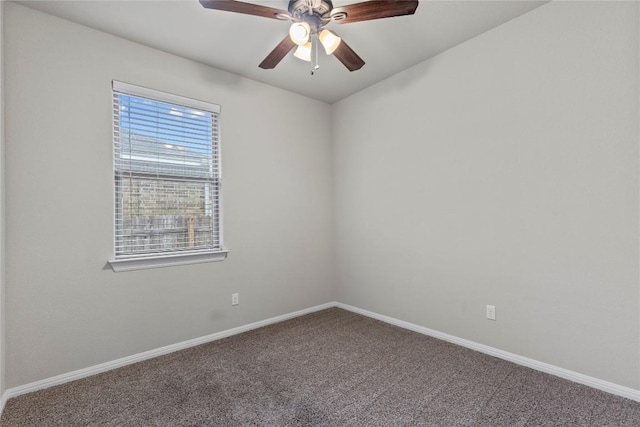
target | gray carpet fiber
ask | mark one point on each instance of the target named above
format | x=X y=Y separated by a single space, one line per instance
x=330 y=368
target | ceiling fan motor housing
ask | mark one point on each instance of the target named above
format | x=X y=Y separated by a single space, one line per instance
x=321 y=9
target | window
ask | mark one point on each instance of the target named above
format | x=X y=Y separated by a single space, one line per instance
x=166 y=179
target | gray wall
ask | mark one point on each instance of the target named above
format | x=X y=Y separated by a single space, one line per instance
x=2 y=223
x=66 y=309
x=503 y=171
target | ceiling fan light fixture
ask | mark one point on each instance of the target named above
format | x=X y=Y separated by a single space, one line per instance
x=330 y=41
x=303 y=52
x=309 y=18
x=299 y=33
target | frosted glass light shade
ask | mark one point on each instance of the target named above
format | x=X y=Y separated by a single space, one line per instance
x=303 y=52
x=299 y=33
x=330 y=41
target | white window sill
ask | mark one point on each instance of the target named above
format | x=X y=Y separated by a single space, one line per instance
x=142 y=263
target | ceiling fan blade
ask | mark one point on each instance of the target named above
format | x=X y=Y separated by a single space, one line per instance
x=348 y=57
x=374 y=9
x=246 y=8
x=278 y=53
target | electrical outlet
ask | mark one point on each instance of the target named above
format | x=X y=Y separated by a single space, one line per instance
x=235 y=299
x=491 y=312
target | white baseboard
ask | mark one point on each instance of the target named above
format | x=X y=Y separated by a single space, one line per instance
x=511 y=357
x=596 y=383
x=108 y=366
x=3 y=401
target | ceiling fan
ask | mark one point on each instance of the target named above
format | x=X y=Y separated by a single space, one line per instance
x=309 y=18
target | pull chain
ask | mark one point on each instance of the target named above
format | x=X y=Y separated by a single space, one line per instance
x=314 y=53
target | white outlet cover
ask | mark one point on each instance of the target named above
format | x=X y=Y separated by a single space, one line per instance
x=491 y=312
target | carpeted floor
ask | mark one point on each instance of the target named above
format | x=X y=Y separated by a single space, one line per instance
x=330 y=368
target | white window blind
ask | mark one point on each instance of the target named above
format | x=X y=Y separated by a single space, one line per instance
x=166 y=174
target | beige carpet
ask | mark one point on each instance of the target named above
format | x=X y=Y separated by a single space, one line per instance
x=331 y=368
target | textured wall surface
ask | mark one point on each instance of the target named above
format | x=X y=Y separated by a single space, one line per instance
x=2 y=207
x=505 y=172
x=66 y=308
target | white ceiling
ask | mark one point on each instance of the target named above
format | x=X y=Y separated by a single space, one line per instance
x=237 y=43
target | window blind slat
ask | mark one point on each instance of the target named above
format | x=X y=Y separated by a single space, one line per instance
x=163 y=118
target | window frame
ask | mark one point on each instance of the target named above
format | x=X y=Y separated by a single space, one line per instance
x=164 y=259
